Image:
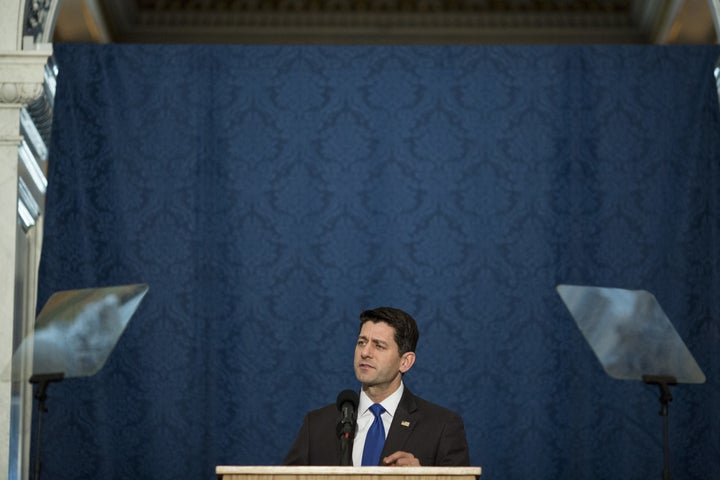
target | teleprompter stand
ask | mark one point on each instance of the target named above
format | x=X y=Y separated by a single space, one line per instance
x=634 y=340
x=74 y=334
x=41 y=382
x=664 y=383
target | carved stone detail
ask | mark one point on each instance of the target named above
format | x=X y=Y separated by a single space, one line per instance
x=37 y=17
x=21 y=76
x=22 y=93
x=21 y=82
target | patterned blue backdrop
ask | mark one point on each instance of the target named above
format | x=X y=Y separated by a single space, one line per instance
x=269 y=194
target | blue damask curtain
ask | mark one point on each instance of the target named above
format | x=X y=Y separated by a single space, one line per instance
x=269 y=194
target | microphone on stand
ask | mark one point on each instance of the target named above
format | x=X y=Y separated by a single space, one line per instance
x=347 y=402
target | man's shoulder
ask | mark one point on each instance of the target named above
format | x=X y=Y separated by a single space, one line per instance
x=426 y=406
x=327 y=410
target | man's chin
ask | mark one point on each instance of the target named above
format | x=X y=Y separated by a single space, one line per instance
x=363 y=377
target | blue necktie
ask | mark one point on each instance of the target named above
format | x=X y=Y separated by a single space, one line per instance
x=375 y=438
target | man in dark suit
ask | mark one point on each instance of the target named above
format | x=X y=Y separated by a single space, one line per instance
x=416 y=432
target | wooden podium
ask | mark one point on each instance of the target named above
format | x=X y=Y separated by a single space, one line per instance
x=347 y=473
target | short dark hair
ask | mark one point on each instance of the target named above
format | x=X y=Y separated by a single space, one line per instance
x=406 y=330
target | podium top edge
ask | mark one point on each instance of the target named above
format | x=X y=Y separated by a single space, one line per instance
x=330 y=470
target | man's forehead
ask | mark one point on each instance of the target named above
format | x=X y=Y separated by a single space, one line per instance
x=378 y=331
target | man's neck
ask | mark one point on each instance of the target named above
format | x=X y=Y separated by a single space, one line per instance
x=378 y=393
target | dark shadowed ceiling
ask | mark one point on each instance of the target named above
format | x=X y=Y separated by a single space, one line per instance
x=387 y=21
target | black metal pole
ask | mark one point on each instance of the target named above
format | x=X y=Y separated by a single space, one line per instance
x=664 y=383
x=41 y=381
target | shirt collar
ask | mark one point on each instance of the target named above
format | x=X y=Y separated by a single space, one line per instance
x=390 y=404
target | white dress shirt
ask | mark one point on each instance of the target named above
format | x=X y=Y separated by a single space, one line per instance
x=365 y=419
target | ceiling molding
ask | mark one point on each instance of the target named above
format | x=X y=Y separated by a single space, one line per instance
x=379 y=21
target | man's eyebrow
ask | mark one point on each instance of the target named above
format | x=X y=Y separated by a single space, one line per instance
x=377 y=341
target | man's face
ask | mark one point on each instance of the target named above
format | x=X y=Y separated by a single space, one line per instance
x=377 y=358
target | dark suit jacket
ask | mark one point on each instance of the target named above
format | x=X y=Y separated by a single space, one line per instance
x=435 y=435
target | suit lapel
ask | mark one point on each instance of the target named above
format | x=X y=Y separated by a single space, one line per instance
x=402 y=425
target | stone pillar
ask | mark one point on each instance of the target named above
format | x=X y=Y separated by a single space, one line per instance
x=25 y=27
x=21 y=82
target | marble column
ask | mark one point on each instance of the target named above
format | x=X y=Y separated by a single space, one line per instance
x=21 y=82
x=25 y=27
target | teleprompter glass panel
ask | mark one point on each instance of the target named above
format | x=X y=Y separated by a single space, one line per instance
x=75 y=332
x=629 y=333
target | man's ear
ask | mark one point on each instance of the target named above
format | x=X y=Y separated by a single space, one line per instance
x=407 y=361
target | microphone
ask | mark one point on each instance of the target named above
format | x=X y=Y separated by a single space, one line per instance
x=347 y=402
